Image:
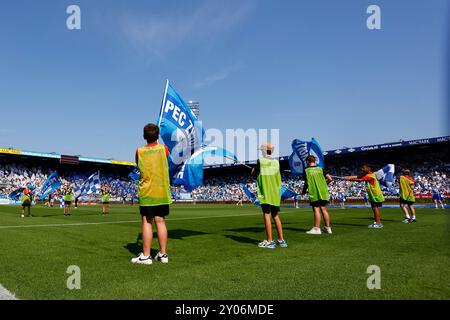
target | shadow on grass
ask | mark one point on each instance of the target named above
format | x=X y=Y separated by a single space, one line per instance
x=242 y=239
x=247 y=229
x=178 y=234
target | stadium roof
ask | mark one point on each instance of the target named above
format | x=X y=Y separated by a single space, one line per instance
x=375 y=147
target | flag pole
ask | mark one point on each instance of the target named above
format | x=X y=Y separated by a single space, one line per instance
x=163 y=102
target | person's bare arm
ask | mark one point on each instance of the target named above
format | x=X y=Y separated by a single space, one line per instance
x=328 y=178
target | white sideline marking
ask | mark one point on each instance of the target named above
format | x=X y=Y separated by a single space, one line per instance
x=5 y=294
x=118 y=222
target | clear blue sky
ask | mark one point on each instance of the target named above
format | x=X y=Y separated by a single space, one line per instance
x=310 y=68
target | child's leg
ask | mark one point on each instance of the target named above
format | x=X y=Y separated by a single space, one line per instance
x=277 y=220
x=413 y=211
x=268 y=225
x=376 y=214
x=162 y=234
x=316 y=211
x=326 y=216
x=405 y=210
x=29 y=210
x=147 y=235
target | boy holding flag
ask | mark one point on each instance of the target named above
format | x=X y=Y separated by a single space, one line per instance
x=154 y=194
x=407 y=196
x=268 y=180
x=27 y=198
x=316 y=182
x=374 y=192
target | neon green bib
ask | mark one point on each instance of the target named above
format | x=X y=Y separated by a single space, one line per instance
x=317 y=185
x=269 y=182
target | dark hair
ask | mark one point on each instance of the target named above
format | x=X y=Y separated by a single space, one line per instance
x=151 y=132
x=406 y=172
x=367 y=166
x=311 y=159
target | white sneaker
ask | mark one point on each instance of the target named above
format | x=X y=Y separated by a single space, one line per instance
x=162 y=257
x=141 y=259
x=23 y=216
x=314 y=231
x=327 y=230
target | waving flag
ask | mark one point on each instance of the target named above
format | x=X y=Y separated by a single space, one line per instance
x=179 y=128
x=385 y=175
x=250 y=195
x=302 y=149
x=287 y=193
x=135 y=174
x=51 y=184
x=90 y=186
x=190 y=174
x=15 y=195
x=183 y=134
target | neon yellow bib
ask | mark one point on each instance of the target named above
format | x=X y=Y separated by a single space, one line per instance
x=154 y=184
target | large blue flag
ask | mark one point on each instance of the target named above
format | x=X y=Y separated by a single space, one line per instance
x=90 y=186
x=250 y=195
x=183 y=134
x=287 y=193
x=15 y=195
x=179 y=128
x=51 y=184
x=385 y=175
x=302 y=149
x=190 y=174
x=135 y=174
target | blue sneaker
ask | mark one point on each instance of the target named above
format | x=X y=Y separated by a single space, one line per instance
x=375 y=226
x=282 y=243
x=267 y=244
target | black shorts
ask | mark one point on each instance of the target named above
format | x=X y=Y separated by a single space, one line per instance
x=26 y=205
x=319 y=203
x=268 y=208
x=376 y=204
x=154 y=211
x=67 y=203
x=105 y=202
x=409 y=203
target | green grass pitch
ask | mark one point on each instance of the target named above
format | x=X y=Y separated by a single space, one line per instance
x=213 y=255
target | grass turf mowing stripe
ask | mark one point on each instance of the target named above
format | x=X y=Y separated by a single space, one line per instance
x=119 y=222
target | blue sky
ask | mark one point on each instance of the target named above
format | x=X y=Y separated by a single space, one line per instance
x=309 y=68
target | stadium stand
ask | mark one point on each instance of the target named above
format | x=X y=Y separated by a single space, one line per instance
x=427 y=158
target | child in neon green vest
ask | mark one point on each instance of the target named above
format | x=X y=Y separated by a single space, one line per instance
x=316 y=182
x=154 y=194
x=407 y=198
x=374 y=193
x=268 y=183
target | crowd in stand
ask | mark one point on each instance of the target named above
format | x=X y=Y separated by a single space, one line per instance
x=14 y=176
x=218 y=188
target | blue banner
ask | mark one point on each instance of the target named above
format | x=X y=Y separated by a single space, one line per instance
x=179 y=128
x=15 y=195
x=287 y=193
x=190 y=174
x=90 y=186
x=51 y=184
x=302 y=149
x=250 y=195
x=385 y=175
x=135 y=174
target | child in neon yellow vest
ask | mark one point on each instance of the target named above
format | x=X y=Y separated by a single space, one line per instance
x=316 y=182
x=105 y=200
x=268 y=182
x=407 y=196
x=27 y=199
x=154 y=194
x=374 y=192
